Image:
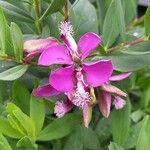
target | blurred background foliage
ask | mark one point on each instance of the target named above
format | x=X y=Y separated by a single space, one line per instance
x=28 y=123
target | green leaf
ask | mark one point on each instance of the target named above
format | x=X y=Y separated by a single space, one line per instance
x=5 y=39
x=144 y=136
x=7 y=129
x=21 y=96
x=59 y=127
x=13 y=73
x=37 y=110
x=147 y=22
x=56 y=5
x=130 y=10
x=26 y=142
x=121 y=124
x=90 y=139
x=114 y=146
x=4 y=145
x=15 y=12
x=17 y=40
x=81 y=20
x=22 y=120
x=145 y=101
x=113 y=26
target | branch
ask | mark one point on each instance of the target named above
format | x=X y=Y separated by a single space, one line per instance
x=66 y=11
x=127 y=44
x=38 y=23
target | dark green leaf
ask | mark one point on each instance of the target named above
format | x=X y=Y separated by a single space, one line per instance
x=15 y=12
x=121 y=124
x=59 y=127
x=21 y=96
x=81 y=20
x=13 y=73
x=113 y=26
x=55 y=6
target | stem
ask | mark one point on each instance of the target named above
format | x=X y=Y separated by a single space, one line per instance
x=66 y=11
x=13 y=59
x=127 y=44
x=38 y=23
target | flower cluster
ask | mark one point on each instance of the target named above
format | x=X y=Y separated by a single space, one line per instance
x=77 y=78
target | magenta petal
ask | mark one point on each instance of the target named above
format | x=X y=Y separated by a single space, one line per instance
x=62 y=79
x=55 y=55
x=104 y=103
x=87 y=43
x=98 y=73
x=45 y=91
x=120 y=76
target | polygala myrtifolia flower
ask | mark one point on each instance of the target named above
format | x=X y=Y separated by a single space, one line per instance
x=77 y=79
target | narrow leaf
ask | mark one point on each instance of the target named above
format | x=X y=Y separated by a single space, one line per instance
x=147 y=22
x=17 y=40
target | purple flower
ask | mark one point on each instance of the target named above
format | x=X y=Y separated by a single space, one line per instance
x=35 y=47
x=109 y=92
x=78 y=78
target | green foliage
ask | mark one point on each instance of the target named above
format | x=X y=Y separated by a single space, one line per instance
x=147 y=22
x=17 y=39
x=4 y=145
x=121 y=124
x=113 y=26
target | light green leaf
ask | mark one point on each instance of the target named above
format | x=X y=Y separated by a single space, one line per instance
x=147 y=22
x=13 y=73
x=37 y=110
x=56 y=5
x=21 y=96
x=16 y=12
x=26 y=142
x=121 y=124
x=144 y=136
x=59 y=127
x=5 y=39
x=114 y=146
x=113 y=26
x=4 y=145
x=145 y=101
x=7 y=129
x=17 y=40
x=22 y=120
